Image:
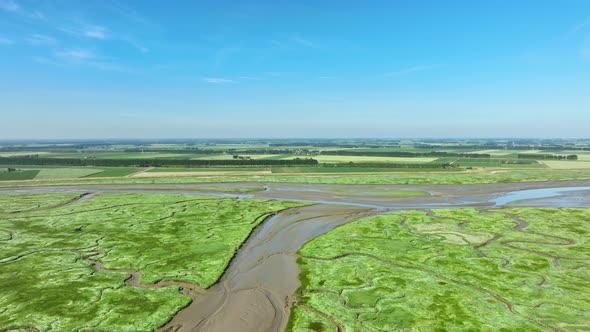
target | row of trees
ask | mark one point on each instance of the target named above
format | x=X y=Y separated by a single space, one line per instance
x=230 y=151
x=548 y=156
x=404 y=154
x=151 y=162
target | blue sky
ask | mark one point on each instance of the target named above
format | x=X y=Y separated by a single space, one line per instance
x=208 y=69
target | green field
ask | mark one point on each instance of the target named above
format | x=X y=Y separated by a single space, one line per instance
x=341 y=169
x=563 y=164
x=366 y=159
x=208 y=169
x=28 y=174
x=66 y=173
x=49 y=275
x=525 y=269
x=494 y=162
x=115 y=172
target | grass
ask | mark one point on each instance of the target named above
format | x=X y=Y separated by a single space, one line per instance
x=47 y=275
x=115 y=172
x=582 y=156
x=366 y=159
x=455 y=270
x=25 y=153
x=13 y=203
x=493 y=162
x=139 y=155
x=564 y=164
x=321 y=169
x=495 y=176
x=18 y=175
x=66 y=173
x=207 y=169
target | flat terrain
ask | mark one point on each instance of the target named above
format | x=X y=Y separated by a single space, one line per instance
x=115 y=262
x=53 y=173
x=567 y=164
x=416 y=177
x=369 y=159
x=524 y=269
x=303 y=235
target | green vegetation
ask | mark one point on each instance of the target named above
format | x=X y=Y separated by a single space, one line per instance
x=15 y=175
x=567 y=164
x=155 y=162
x=67 y=267
x=66 y=173
x=16 y=203
x=115 y=172
x=356 y=169
x=521 y=269
x=327 y=161
x=208 y=169
x=502 y=176
x=368 y=159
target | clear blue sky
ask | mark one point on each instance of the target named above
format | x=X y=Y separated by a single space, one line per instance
x=157 y=69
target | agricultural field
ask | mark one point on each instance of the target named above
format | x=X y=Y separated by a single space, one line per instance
x=583 y=156
x=29 y=174
x=207 y=169
x=520 y=269
x=118 y=262
x=343 y=170
x=567 y=164
x=52 y=173
x=146 y=155
x=367 y=159
x=66 y=173
x=409 y=161
x=24 y=153
x=115 y=172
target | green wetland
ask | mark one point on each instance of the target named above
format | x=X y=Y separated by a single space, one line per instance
x=520 y=269
x=115 y=262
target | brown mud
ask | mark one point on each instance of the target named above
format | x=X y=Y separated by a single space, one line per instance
x=475 y=195
x=255 y=292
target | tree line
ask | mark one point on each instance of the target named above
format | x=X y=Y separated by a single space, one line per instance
x=548 y=156
x=404 y=154
x=151 y=162
x=229 y=151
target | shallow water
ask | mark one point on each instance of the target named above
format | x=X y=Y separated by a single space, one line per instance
x=524 y=195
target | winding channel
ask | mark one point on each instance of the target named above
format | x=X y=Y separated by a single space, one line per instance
x=255 y=293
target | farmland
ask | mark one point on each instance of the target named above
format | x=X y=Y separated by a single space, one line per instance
x=517 y=269
x=330 y=161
